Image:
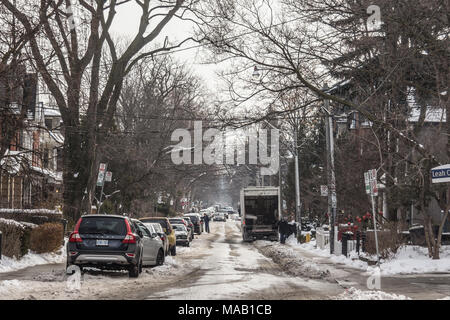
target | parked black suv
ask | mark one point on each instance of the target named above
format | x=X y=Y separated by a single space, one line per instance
x=197 y=222
x=106 y=242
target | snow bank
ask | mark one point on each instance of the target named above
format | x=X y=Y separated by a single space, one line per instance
x=291 y=261
x=414 y=260
x=309 y=246
x=355 y=294
x=30 y=211
x=32 y=259
x=351 y=261
x=407 y=260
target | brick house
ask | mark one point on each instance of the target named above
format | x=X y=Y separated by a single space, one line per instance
x=29 y=173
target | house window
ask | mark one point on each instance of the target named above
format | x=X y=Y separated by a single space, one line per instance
x=49 y=124
x=46 y=158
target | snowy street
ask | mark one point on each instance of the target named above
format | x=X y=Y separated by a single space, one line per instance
x=219 y=266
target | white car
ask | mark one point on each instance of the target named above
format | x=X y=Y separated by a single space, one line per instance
x=153 y=252
x=182 y=234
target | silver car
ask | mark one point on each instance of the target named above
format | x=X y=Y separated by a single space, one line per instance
x=159 y=230
x=153 y=252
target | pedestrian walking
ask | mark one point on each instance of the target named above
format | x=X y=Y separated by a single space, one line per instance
x=206 y=220
x=283 y=228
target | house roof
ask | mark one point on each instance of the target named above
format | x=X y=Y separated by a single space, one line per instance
x=432 y=115
x=50 y=112
x=58 y=137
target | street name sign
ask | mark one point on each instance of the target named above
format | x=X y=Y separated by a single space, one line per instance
x=108 y=176
x=370 y=180
x=324 y=191
x=367 y=182
x=440 y=174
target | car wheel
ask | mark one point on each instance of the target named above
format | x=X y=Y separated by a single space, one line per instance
x=160 y=258
x=187 y=244
x=134 y=270
x=173 y=251
x=140 y=267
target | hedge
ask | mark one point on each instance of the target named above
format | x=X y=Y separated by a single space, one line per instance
x=15 y=237
x=388 y=242
x=47 y=237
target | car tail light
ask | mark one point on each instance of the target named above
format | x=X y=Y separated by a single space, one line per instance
x=131 y=255
x=129 y=238
x=75 y=236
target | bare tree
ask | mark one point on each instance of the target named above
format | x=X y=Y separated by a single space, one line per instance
x=301 y=45
x=68 y=55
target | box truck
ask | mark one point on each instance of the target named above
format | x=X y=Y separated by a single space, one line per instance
x=260 y=211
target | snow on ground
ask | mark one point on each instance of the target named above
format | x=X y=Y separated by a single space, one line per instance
x=355 y=294
x=94 y=284
x=408 y=259
x=290 y=261
x=232 y=270
x=414 y=260
x=31 y=259
x=309 y=246
x=8 y=287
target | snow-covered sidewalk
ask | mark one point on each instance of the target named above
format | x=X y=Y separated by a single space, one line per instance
x=407 y=275
x=407 y=260
x=31 y=259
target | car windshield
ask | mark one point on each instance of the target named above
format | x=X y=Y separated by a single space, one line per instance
x=157 y=227
x=194 y=219
x=103 y=225
x=162 y=222
x=179 y=227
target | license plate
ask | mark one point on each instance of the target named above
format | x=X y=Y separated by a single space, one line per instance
x=102 y=243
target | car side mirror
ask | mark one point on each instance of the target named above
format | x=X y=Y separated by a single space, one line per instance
x=154 y=235
x=140 y=234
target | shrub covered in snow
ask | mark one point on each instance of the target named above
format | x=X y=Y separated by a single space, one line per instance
x=389 y=241
x=47 y=237
x=16 y=237
x=36 y=216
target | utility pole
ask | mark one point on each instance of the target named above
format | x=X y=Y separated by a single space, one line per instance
x=332 y=200
x=297 y=184
x=101 y=179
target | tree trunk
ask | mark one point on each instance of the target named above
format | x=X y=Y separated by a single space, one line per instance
x=73 y=177
x=79 y=173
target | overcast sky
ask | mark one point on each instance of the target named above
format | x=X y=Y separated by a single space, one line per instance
x=126 y=25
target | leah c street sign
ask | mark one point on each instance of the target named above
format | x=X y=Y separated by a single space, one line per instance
x=440 y=174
